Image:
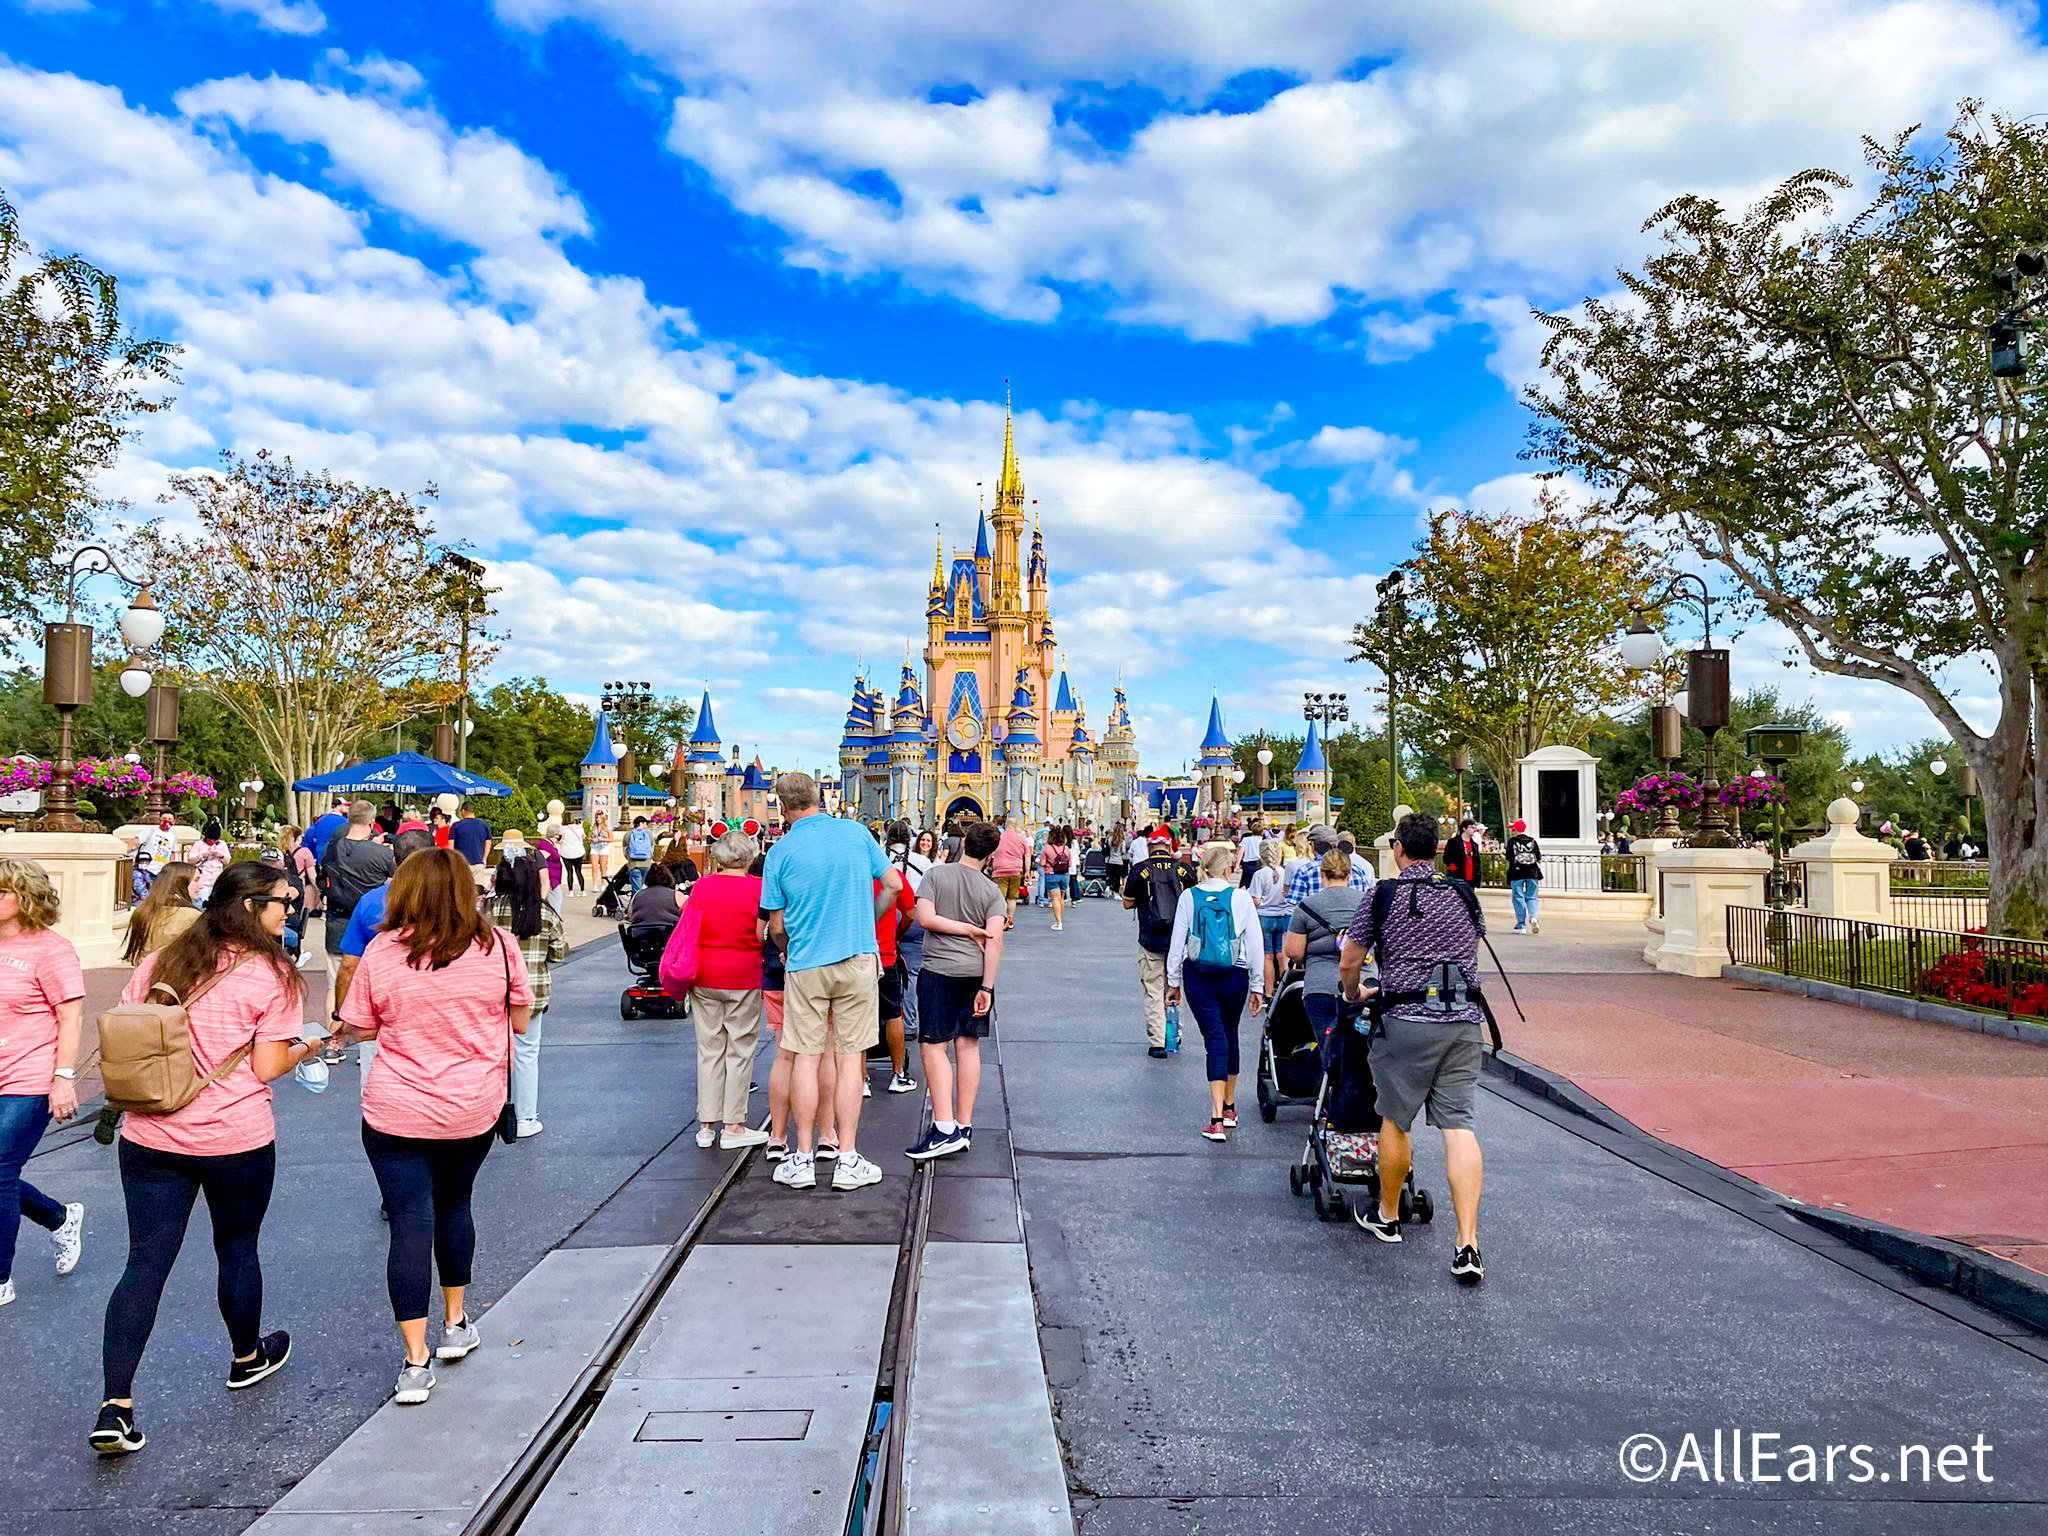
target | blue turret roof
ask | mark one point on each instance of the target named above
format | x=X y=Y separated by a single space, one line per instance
x=1312 y=759
x=981 y=539
x=706 y=730
x=1064 y=700
x=601 y=753
x=1215 y=740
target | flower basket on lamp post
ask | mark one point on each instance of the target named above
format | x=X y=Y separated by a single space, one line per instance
x=1663 y=795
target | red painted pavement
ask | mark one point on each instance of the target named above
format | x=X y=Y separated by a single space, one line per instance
x=1925 y=1127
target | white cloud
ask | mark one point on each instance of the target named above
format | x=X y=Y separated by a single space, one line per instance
x=299 y=18
x=1492 y=147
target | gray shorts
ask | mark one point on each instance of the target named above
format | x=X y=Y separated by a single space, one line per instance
x=1417 y=1063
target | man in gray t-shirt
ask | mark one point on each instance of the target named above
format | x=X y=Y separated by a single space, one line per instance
x=963 y=914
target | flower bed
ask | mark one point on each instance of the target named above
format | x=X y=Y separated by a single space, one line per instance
x=1978 y=978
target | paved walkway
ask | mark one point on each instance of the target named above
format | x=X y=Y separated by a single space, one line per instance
x=1223 y=1362
x=1933 y=1129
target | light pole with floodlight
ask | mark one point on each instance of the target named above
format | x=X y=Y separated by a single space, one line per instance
x=67 y=676
x=1706 y=689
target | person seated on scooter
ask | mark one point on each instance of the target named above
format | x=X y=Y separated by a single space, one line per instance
x=656 y=906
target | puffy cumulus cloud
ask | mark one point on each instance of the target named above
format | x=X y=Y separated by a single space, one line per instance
x=298 y=18
x=644 y=494
x=1477 y=146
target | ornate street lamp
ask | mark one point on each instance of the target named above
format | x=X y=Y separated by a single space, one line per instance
x=160 y=729
x=251 y=788
x=67 y=676
x=1265 y=756
x=1706 y=688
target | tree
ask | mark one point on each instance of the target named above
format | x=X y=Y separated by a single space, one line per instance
x=1506 y=641
x=1902 y=788
x=308 y=606
x=71 y=383
x=1807 y=404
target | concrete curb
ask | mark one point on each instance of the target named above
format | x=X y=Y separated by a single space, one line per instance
x=1885 y=1002
x=1981 y=1279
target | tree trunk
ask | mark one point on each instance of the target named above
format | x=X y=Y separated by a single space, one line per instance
x=2009 y=777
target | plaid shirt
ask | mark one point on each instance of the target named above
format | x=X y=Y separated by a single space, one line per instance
x=1307 y=879
x=545 y=950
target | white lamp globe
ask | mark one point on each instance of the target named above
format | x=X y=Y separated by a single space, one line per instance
x=1640 y=649
x=135 y=679
x=1855 y=786
x=1938 y=767
x=1682 y=702
x=142 y=623
x=1265 y=754
x=618 y=750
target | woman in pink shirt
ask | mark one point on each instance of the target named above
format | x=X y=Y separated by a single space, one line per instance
x=726 y=994
x=244 y=1000
x=40 y=988
x=443 y=993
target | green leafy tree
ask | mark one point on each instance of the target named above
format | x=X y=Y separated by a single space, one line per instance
x=1901 y=787
x=1506 y=640
x=72 y=383
x=1804 y=401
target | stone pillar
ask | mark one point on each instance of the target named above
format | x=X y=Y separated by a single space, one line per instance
x=1700 y=885
x=1653 y=925
x=1383 y=846
x=1847 y=874
x=82 y=865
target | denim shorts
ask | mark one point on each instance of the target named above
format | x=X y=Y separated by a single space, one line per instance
x=1055 y=883
x=1274 y=931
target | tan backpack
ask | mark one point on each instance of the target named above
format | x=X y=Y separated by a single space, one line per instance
x=146 y=1053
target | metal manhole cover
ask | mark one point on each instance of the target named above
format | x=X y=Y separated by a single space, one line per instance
x=714 y=1426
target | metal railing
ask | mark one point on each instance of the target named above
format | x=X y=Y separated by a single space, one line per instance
x=1627 y=873
x=1962 y=874
x=1951 y=908
x=1990 y=973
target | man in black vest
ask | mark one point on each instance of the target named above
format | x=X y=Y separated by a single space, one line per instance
x=1152 y=889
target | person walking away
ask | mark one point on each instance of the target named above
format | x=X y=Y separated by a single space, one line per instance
x=245 y=1007
x=1425 y=1049
x=549 y=857
x=42 y=989
x=1307 y=877
x=1269 y=895
x=1056 y=864
x=352 y=863
x=639 y=853
x=366 y=921
x=325 y=828
x=574 y=852
x=818 y=891
x=965 y=916
x=722 y=974
x=1116 y=858
x=1461 y=853
x=1315 y=940
x=1216 y=951
x=1152 y=890
x=889 y=930
x=470 y=836
x=913 y=857
x=1139 y=848
x=1008 y=865
x=773 y=976
x=1250 y=849
x=443 y=994
x=208 y=857
x=1360 y=865
x=1525 y=875
x=517 y=908
x=162 y=915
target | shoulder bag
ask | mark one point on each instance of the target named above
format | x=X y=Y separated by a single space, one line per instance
x=508 y=1116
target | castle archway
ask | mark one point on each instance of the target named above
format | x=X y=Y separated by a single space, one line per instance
x=964 y=808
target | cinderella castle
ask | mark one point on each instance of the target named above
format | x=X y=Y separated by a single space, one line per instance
x=994 y=726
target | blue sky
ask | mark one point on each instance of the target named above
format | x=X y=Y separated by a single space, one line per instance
x=701 y=316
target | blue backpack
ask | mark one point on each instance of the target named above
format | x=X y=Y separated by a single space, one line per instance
x=1212 y=932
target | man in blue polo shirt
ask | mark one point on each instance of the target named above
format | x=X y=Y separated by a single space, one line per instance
x=323 y=829
x=825 y=886
x=471 y=836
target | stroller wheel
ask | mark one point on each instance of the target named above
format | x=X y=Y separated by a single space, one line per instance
x=1314 y=1175
x=1294 y=1178
x=1322 y=1207
x=1425 y=1208
x=1267 y=1109
x=1338 y=1208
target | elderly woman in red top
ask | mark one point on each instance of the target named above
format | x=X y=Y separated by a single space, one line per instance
x=723 y=919
x=443 y=993
x=243 y=996
x=40 y=988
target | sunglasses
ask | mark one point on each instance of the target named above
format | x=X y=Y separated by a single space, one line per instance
x=264 y=901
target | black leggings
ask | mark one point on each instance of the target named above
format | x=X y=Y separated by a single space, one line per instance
x=574 y=876
x=426 y=1187
x=159 y=1188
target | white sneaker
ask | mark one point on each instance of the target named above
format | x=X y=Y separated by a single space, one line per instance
x=855 y=1172
x=796 y=1171
x=6 y=1293
x=867 y=1090
x=70 y=1238
x=530 y=1128
x=706 y=1135
x=746 y=1136
x=1535 y=927
x=902 y=1082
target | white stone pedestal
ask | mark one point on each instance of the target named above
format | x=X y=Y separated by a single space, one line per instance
x=1653 y=925
x=1847 y=874
x=82 y=867
x=1700 y=885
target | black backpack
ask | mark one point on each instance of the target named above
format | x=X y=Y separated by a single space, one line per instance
x=1163 y=885
x=348 y=869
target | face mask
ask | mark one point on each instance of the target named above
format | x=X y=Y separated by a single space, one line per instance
x=312 y=1074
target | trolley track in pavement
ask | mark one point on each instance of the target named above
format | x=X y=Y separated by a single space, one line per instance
x=874 y=1505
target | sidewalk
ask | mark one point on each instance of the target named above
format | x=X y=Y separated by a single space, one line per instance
x=1933 y=1129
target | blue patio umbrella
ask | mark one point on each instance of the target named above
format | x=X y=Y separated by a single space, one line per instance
x=412 y=773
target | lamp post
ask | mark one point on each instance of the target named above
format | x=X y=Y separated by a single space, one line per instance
x=1236 y=785
x=1461 y=760
x=160 y=728
x=1265 y=756
x=251 y=788
x=469 y=592
x=67 y=676
x=1706 y=688
x=1393 y=610
x=626 y=700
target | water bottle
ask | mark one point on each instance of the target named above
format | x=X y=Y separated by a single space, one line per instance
x=1173 y=1029
x=312 y=1074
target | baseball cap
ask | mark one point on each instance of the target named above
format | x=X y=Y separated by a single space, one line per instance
x=1518 y=825
x=1322 y=838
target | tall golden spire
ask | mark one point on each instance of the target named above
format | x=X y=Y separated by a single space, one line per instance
x=938 y=557
x=1010 y=485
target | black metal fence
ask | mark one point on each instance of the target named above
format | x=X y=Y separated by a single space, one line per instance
x=1626 y=873
x=1951 y=874
x=1966 y=970
x=1952 y=908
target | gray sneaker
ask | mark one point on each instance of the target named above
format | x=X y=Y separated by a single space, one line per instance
x=70 y=1238
x=414 y=1383
x=457 y=1340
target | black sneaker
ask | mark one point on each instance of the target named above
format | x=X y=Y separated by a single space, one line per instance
x=1157 y=1052
x=272 y=1350
x=115 y=1434
x=1465 y=1265
x=937 y=1143
x=1367 y=1215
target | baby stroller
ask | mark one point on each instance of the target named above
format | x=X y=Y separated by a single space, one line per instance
x=1093 y=879
x=617 y=894
x=1343 y=1135
x=644 y=997
x=1290 y=1067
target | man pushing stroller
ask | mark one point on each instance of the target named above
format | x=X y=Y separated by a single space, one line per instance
x=1425 y=1047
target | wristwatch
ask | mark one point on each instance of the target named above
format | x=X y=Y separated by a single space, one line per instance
x=69 y=1074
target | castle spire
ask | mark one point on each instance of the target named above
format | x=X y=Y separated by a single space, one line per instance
x=938 y=558
x=1010 y=484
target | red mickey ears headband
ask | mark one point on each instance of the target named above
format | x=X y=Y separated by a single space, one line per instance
x=751 y=827
x=719 y=829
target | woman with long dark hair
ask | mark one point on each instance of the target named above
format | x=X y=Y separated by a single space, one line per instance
x=243 y=997
x=443 y=993
x=517 y=907
x=163 y=914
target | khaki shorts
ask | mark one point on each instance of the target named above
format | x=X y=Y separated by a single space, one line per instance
x=832 y=1007
x=1009 y=885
